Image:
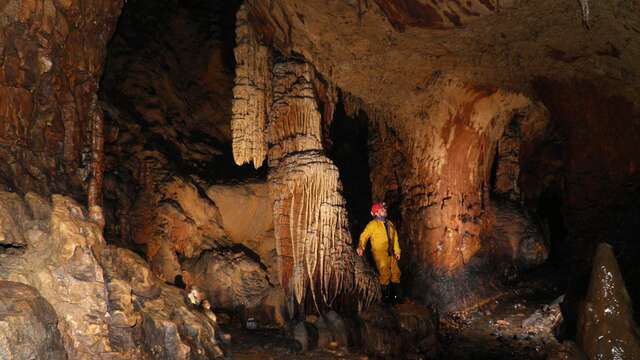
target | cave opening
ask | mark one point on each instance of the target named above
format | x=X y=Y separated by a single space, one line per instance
x=349 y=151
x=549 y=210
x=166 y=92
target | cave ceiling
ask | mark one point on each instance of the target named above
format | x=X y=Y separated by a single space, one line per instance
x=388 y=52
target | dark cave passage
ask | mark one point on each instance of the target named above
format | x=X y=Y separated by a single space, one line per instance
x=349 y=152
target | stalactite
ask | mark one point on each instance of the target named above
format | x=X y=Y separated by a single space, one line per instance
x=251 y=94
x=586 y=12
x=310 y=220
x=94 y=194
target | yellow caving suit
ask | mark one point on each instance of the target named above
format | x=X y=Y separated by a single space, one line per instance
x=387 y=265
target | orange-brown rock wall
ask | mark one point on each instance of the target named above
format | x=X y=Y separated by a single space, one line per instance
x=51 y=59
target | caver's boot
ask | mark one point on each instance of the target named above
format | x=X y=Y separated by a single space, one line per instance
x=385 y=294
x=395 y=293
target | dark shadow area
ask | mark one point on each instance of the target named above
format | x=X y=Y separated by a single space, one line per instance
x=549 y=212
x=349 y=152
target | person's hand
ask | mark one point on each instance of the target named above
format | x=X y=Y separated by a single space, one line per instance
x=398 y=257
x=359 y=252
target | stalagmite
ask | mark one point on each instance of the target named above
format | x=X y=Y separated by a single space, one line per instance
x=250 y=94
x=310 y=220
x=606 y=329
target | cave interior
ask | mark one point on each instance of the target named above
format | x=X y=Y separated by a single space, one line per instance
x=189 y=179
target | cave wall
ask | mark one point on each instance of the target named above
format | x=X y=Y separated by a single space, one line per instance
x=455 y=222
x=52 y=56
x=394 y=63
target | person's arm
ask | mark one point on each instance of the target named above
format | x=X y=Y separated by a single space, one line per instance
x=396 y=244
x=364 y=238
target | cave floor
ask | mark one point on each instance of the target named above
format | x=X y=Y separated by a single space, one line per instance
x=273 y=344
x=517 y=325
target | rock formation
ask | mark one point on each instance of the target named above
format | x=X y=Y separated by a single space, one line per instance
x=94 y=291
x=251 y=94
x=477 y=110
x=310 y=222
x=52 y=55
x=427 y=91
x=28 y=324
x=606 y=328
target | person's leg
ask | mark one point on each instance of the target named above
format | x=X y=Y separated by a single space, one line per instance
x=384 y=271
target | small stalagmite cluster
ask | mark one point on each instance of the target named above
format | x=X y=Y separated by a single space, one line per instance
x=313 y=242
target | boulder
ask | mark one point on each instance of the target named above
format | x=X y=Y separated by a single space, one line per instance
x=176 y=217
x=404 y=329
x=151 y=318
x=12 y=214
x=230 y=279
x=28 y=325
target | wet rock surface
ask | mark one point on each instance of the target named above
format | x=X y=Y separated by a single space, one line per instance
x=606 y=326
x=521 y=324
x=28 y=325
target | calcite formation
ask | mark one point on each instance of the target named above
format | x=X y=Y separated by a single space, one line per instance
x=451 y=223
x=310 y=220
x=251 y=94
x=606 y=328
x=52 y=55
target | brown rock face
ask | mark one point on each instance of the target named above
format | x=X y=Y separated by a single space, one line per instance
x=451 y=223
x=149 y=319
x=59 y=261
x=51 y=60
x=436 y=15
x=406 y=329
x=239 y=280
x=176 y=218
x=606 y=327
x=28 y=325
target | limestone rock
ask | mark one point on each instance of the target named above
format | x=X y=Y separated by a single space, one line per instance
x=247 y=217
x=147 y=314
x=12 y=214
x=310 y=222
x=177 y=218
x=606 y=329
x=301 y=335
x=60 y=262
x=239 y=280
x=338 y=328
x=515 y=235
x=251 y=94
x=28 y=325
x=51 y=64
x=404 y=329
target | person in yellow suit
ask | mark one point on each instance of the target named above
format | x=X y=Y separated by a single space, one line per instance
x=385 y=249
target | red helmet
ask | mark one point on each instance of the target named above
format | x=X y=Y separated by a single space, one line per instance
x=376 y=207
